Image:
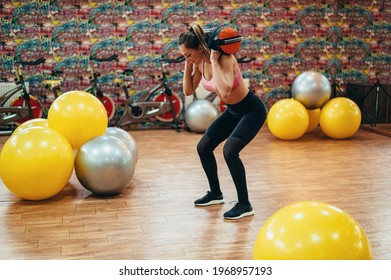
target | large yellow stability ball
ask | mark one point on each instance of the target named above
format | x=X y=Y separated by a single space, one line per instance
x=340 y=118
x=311 y=230
x=288 y=119
x=79 y=116
x=36 y=163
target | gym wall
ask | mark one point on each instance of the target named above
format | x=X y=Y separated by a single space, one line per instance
x=348 y=41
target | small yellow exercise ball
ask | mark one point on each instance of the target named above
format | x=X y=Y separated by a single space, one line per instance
x=314 y=116
x=288 y=119
x=340 y=118
x=36 y=163
x=32 y=123
x=79 y=116
x=311 y=230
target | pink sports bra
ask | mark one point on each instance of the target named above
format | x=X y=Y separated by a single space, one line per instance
x=210 y=85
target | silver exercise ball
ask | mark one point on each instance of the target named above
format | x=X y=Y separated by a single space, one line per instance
x=104 y=165
x=312 y=89
x=200 y=114
x=125 y=137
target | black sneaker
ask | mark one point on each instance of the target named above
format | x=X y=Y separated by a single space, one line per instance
x=239 y=211
x=209 y=199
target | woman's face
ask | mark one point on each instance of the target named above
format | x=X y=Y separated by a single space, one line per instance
x=192 y=55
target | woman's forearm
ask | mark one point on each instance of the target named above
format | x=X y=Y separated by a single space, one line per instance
x=188 y=84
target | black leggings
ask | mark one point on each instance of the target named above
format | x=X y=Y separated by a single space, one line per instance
x=239 y=124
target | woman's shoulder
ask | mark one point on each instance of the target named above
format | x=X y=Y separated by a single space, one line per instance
x=228 y=60
x=227 y=57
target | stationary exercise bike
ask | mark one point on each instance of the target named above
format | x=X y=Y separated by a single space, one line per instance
x=94 y=87
x=158 y=102
x=14 y=111
x=54 y=84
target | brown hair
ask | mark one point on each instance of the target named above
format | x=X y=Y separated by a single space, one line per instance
x=194 y=38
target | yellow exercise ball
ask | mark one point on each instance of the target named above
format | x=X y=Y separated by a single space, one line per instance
x=288 y=119
x=41 y=122
x=311 y=230
x=314 y=116
x=340 y=118
x=36 y=163
x=79 y=116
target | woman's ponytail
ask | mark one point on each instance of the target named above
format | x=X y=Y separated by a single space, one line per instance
x=199 y=32
x=194 y=38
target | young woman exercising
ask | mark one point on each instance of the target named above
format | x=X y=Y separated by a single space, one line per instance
x=238 y=124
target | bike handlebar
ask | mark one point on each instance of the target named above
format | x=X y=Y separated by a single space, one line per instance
x=35 y=62
x=245 y=59
x=175 y=60
x=57 y=72
x=110 y=58
x=125 y=71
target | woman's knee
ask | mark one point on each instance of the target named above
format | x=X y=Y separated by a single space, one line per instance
x=231 y=150
x=204 y=145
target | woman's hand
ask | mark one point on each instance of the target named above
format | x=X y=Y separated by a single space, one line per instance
x=189 y=66
x=214 y=56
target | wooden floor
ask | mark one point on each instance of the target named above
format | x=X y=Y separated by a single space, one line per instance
x=155 y=218
x=383 y=129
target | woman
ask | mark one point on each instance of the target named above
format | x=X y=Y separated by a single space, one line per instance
x=238 y=124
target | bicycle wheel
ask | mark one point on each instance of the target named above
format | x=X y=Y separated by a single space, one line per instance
x=36 y=106
x=177 y=102
x=109 y=104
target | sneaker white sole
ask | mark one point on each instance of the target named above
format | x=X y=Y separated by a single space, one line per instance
x=241 y=216
x=212 y=202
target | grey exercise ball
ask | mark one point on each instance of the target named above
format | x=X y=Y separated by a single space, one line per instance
x=200 y=114
x=124 y=136
x=104 y=165
x=312 y=89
